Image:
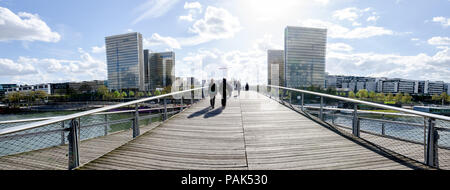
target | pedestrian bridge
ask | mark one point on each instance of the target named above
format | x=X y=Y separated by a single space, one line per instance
x=253 y=132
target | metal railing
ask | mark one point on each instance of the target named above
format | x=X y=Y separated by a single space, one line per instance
x=41 y=135
x=420 y=136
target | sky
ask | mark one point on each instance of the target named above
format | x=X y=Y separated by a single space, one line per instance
x=58 y=41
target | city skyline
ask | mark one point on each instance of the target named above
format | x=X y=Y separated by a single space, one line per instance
x=379 y=39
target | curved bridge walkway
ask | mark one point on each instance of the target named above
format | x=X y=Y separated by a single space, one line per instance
x=252 y=132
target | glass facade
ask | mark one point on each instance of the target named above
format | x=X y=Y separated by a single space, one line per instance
x=160 y=69
x=124 y=55
x=275 y=67
x=304 y=56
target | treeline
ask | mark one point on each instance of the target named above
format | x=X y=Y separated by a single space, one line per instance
x=363 y=94
x=17 y=99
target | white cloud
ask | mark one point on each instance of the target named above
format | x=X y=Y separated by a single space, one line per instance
x=265 y=44
x=35 y=70
x=193 y=5
x=157 y=40
x=97 y=49
x=438 y=40
x=445 y=22
x=339 y=47
x=194 y=8
x=24 y=26
x=186 y=17
x=338 y=31
x=351 y=14
x=217 y=23
x=373 y=18
x=153 y=9
x=9 y=67
x=323 y=2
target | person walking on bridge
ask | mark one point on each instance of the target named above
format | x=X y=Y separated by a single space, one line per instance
x=225 y=89
x=239 y=87
x=212 y=93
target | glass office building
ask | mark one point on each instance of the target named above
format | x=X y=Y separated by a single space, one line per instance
x=159 y=69
x=304 y=56
x=124 y=55
x=275 y=67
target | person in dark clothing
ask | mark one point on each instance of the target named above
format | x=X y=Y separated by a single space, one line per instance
x=212 y=93
x=246 y=87
x=224 y=92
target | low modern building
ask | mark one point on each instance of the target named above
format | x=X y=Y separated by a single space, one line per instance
x=430 y=88
x=27 y=88
x=3 y=88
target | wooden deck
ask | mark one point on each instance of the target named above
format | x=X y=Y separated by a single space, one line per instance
x=252 y=132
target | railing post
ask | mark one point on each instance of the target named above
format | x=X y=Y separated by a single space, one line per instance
x=136 y=131
x=290 y=98
x=432 y=158
x=333 y=116
x=106 y=125
x=303 y=102
x=321 y=108
x=63 y=139
x=383 y=130
x=165 y=110
x=355 y=123
x=192 y=98
x=74 y=138
x=181 y=104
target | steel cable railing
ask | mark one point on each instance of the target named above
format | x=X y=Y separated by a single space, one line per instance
x=420 y=136
x=56 y=142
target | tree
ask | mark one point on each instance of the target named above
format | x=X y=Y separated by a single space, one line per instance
x=362 y=94
x=389 y=97
x=123 y=95
x=15 y=97
x=157 y=93
x=380 y=97
x=149 y=94
x=116 y=94
x=351 y=94
x=398 y=97
x=406 y=98
x=131 y=93
x=443 y=97
x=140 y=94
x=435 y=97
x=372 y=95
x=103 y=91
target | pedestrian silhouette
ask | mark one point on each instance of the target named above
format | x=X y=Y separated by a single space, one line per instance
x=212 y=93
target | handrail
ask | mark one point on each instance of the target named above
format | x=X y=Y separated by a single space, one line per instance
x=101 y=113
x=28 y=126
x=363 y=111
x=441 y=117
